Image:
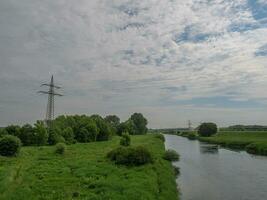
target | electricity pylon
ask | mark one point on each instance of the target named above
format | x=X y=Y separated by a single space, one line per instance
x=189 y=125
x=50 y=104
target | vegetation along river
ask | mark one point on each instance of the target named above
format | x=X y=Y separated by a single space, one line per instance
x=209 y=172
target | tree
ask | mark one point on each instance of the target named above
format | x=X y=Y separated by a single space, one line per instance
x=13 y=130
x=68 y=135
x=128 y=127
x=41 y=133
x=140 y=123
x=55 y=136
x=83 y=135
x=27 y=135
x=114 y=121
x=9 y=145
x=207 y=129
x=93 y=131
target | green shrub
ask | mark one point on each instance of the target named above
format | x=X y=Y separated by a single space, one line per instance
x=160 y=136
x=259 y=148
x=9 y=145
x=207 y=129
x=60 y=148
x=125 y=139
x=192 y=136
x=176 y=171
x=171 y=155
x=55 y=137
x=131 y=156
x=68 y=135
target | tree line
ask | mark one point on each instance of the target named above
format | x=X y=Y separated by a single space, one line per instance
x=76 y=128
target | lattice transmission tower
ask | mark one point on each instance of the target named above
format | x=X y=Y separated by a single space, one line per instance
x=50 y=104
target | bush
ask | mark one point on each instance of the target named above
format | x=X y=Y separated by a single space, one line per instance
x=60 y=148
x=171 y=155
x=160 y=136
x=207 y=129
x=55 y=137
x=125 y=139
x=176 y=171
x=9 y=145
x=130 y=156
x=68 y=135
x=192 y=136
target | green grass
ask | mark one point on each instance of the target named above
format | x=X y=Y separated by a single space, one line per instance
x=253 y=141
x=84 y=172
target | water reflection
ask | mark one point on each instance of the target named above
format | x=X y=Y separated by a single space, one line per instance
x=207 y=148
x=212 y=173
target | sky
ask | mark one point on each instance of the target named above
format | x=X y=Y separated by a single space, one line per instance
x=172 y=60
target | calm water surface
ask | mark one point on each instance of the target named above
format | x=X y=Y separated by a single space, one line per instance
x=212 y=173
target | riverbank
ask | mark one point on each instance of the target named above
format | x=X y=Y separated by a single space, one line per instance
x=254 y=142
x=84 y=172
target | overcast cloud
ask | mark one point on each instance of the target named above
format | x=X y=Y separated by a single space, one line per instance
x=173 y=60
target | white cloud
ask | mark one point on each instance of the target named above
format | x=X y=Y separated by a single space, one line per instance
x=114 y=53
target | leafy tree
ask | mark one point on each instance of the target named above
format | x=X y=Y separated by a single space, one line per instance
x=41 y=133
x=114 y=121
x=125 y=139
x=68 y=135
x=9 y=145
x=27 y=135
x=13 y=130
x=207 y=129
x=83 y=136
x=140 y=123
x=55 y=136
x=127 y=126
x=93 y=131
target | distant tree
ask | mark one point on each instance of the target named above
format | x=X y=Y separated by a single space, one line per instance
x=128 y=127
x=93 y=131
x=13 y=130
x=114 y=121
x=207 y=129
x=140 y=123
x=68 y=135
x=55 y=136
x=27 y=135
x=41 y=133
x=83 y=135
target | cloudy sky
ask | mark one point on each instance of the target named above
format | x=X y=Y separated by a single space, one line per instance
x=173 y=60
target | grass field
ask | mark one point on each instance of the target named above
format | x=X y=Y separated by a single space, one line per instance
x=253 y=141
x=84 y=172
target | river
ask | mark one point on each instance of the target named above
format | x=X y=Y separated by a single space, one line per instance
x=209 y=172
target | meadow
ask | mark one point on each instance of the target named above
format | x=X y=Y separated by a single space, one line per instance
x=253 y=141
x=84 y=172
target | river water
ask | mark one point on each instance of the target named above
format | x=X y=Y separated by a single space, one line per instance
x=212 y=173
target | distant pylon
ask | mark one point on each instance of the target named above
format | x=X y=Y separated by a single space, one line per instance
x=189 y=125
x=50 y=104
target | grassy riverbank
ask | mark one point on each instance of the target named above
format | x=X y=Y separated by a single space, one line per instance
x=253 y=141
x=84 y=172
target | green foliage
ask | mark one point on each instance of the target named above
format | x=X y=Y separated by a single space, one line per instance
x=114 y=121
x=9 y=145
x=176 y=171
x=171 y=155
x=140 y=123
x=41 y=133
x=68 y=135
x=125 y=139
x=83 y=135
x=253 y=141
x=132 y=156
x=85 y=173
x=192 y=135
x=60 y=148
x=55 y=137
x=27 y=135
x=13 y=130
x=207 y=129
x=160 y=136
